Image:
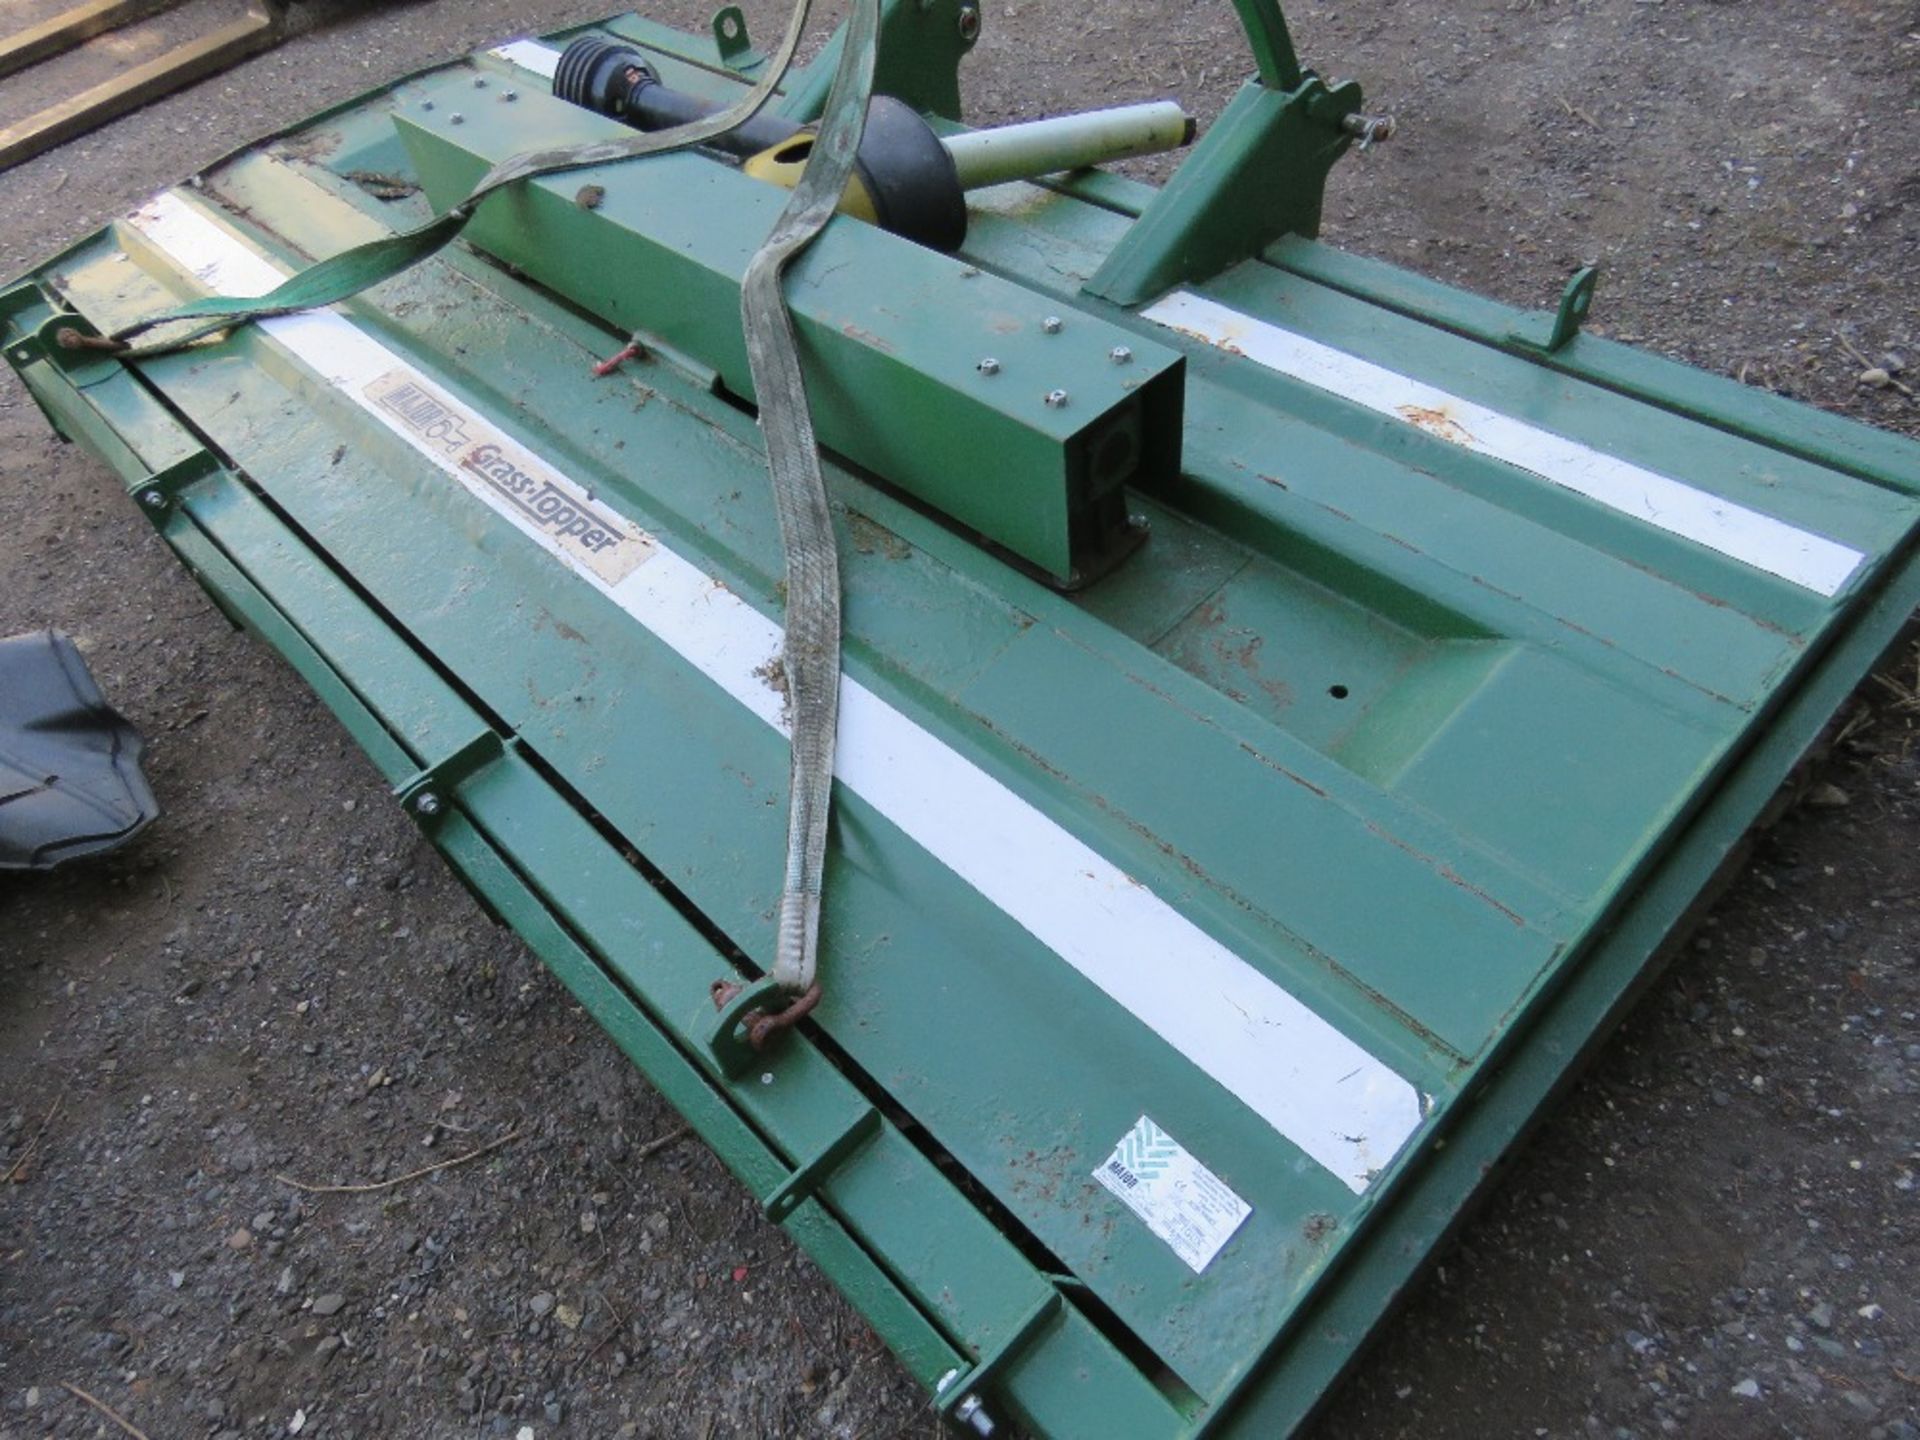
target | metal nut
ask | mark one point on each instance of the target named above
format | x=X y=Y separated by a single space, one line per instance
x=456 y=118
x=988 y=366
x=427 y=803
x=968 y=23
x=479 y=82
x=1120 y=355
x=510 y=95
x=153 y=500
x=426 y=104
x=1053 y=324
x=1057 y=399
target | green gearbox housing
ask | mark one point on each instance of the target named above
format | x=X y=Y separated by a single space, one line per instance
x=1287 y=705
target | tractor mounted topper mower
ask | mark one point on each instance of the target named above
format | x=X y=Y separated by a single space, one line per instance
x=1240 y=720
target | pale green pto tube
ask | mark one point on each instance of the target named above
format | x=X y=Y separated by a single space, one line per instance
x=1069 y=142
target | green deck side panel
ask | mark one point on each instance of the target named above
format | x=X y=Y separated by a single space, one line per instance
x=1441 y=749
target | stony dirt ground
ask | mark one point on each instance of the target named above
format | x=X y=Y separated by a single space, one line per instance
x=1714 y=1236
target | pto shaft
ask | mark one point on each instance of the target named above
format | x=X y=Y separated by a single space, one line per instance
x=908 y=179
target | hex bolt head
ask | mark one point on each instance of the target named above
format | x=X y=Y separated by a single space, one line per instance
x=509 y=95
x=973 y=1414
x=1370 y=130
x=479 y=82
x=456 y=118
x=1120 y=355
x=1057 y=399
x=427 y=803
x=988 y=366
x=426 y=104
x=1053 y=324
x=153 y=500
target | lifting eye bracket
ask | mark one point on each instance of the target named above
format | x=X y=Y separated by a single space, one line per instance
x=730 y=35
x=66 y=342
x=729 y=1041
x=1576 y=302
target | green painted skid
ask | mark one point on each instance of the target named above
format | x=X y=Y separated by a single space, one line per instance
x=1434 y=747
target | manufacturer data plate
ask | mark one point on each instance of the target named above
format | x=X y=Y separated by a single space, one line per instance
x=1181 y=1200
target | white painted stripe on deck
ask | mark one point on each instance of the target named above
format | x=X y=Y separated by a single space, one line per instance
x=529 y=55
x=1331 y=1098
x=1755 y=539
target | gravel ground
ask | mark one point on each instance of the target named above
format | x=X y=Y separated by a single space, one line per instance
x=1715 y=1235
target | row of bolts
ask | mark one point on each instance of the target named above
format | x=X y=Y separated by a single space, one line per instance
x=1053 y=325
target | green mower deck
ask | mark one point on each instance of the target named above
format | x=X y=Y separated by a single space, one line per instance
x=1287 y=705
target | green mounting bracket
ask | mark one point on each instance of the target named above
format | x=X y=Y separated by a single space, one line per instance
x=730 y=34
x=921 y=44
x=20 y=300
x=1576 y=301
x=805 y=1180
x=703 y=375
x=428 y=796
x=82 y=365
x=959 y=1395
x=159 y=495
x=1259 y=172
x=727 y=1038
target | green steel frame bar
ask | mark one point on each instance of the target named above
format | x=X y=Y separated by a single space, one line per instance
x=1272 y=45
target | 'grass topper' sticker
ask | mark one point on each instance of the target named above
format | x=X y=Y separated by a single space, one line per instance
x=491 y=465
